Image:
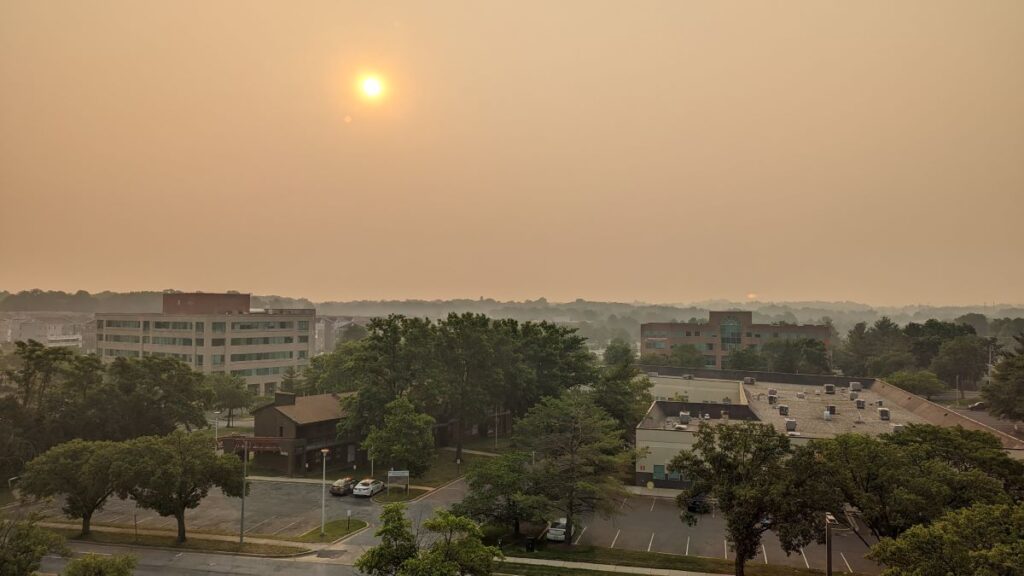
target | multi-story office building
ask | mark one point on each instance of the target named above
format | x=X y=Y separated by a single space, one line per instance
x=214 y=333
x=723 y=332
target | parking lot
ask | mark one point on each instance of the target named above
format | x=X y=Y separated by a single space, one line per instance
x=652 y=524
x=279 y=509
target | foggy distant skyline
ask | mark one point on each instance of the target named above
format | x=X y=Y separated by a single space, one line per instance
x=660 y=152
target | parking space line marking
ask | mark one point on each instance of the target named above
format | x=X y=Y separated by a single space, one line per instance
x=725 y=546
x=806 y=563
x=653 y=500
x=687 y=545
x=623 y=505
x=848 y=569
x=616 y=539
x=651 y=543
x=580 y=536
x=765 y=552
x=279 y=530
x=253 y=527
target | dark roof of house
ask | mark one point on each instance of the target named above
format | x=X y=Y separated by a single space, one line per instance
x=312 y=409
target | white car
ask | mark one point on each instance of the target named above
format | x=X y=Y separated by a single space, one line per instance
x=557 y=530
x=367 y=487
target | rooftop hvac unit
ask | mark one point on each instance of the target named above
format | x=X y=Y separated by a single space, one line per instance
x=655 y=374
x=687 y=376
x=790 y=425
x=831 y=409
x=801 y=395
x=707 y=416
x=897 y=427
x=830 y=388
x=684 y=418
x=749 y=380
x=681 y=427
x=772 y=399
x=879 y=402
x=783 y=410
x=773 y=392
x=828 y=415
x=853 y=395
x=855 y=386
x=861 y=403
x=724 y=414
x=883 y=413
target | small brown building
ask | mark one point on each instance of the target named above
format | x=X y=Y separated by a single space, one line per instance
x=290 y=433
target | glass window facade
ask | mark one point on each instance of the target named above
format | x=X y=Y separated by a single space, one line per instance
x=262 y=325
x=171 y=341
x=126 y=324
x=165 y=325
x=255 y=356
x=265 y=340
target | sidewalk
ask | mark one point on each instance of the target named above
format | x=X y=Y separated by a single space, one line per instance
x=603 y=567
x=196 y=535
x=316 y=481
x=655 y=492
x=468 y=451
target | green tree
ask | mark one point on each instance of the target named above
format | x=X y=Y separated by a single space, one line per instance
x=922 y=383
x=622 y=390
x=96 y=565
x=230 y=393
x=23 y=545
x=752 y=472
x=291 y=380
x=502 y=491
x=963 y=359
x=745 y=359
x=980 y=540
x=579 y=452
x=686 y=356
x=895 y=487
x=406 y=440
x=155 y=396
x=173 y=473
x=352 y=332
x=468 y=370
x=618 y=353
x=397 y=544
x=1005 y=392
x=457 y=545
x=336 y=371
x=85 y=473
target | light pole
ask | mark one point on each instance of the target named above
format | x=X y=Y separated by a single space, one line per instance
x=216 y=421
x=245 y=461
x=323 y=490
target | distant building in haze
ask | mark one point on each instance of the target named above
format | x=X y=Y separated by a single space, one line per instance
x=214 y=333
x=723 y=333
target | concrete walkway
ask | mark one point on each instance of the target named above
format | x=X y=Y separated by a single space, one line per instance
x=196 y=535
x=468 y=451
x=316 y=481
x=602 y=567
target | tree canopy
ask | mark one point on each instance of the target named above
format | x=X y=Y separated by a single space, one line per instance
x=406 y=439
x=1005 y=392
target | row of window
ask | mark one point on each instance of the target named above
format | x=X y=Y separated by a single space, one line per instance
x=219 y=327
x=118 y=338
x=261 y=340
x=662 y=345
x=254 y=356
x=270 y=325
x=171 y=341
x=258 y=371
x=121 y=353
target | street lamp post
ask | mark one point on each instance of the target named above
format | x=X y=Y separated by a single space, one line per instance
x=245 y=462
x=323 y=490
x=216 y=421
x=829 y=521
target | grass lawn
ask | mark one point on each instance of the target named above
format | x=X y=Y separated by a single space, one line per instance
x=6 y=497
x=487 y=444
x=509 y=567
x=193 y=542
x=398 y=495
x=617 y=557
x=333 y=530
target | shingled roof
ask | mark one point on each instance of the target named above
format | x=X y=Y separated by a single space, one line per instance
x=312 y=409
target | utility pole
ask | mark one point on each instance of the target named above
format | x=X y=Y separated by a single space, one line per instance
x=245 y=462
x=829 y=521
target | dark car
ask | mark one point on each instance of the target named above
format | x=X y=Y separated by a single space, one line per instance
x=699 y=504
x=977 y=406
x=343 y=487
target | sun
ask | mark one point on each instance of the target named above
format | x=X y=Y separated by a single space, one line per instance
x=372 y=87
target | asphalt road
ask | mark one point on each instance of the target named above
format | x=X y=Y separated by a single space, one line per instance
x=162 y=562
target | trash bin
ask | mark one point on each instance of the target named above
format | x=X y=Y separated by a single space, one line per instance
x=531 y=545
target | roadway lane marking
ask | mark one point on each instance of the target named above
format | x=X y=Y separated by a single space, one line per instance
x=651 y=543
x=580 y=536
x=279 y=530
x=616 y=539
x=806 y=563
x=848 y=569
x=765 y=552
x=653 y=500
x=253 y=527
x=687 y=545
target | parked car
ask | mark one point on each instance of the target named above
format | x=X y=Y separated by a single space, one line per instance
x=367 y=487
x=977 y=406
x=343 y=486
x=557 y=530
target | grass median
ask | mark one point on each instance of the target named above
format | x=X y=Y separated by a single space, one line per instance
x=333 y=530
x=612 y=556
x=197 y=543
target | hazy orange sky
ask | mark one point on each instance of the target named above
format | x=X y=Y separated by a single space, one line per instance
x=654 y=151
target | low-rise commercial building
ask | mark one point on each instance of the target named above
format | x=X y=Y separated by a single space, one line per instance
x=214 y=333
x=723 y=333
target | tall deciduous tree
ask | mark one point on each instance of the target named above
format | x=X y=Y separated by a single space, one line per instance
x=1005 y=392
x=502 y=491
x=579 y=452
x=173 y=473
x=750 y=470
x=230 y=393
x=405 y=440
x=923 y=383
x=397 y=544
x=982 y=539
x=23 y=544
x=157 y=395
x=468 y=370
x=85 y=473
x=962 y=360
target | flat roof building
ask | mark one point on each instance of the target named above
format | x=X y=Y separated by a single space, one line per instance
x=214 y=333
x=722 y=333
